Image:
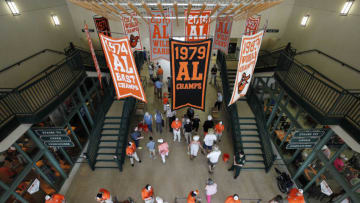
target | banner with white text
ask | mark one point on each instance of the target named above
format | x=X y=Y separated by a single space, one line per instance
x=160 y=30
x=122 y=67
x=132 y=30
x=102 y=25
x=250 y=46
x=222 y=33
x=252 y=25
x=197 y=27
x=96 y=64
x=189 y=62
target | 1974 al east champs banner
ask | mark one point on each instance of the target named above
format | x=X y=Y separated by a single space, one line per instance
x=250 y=46
x=189 y=62
x=132 y=30
x=197 y=27
x=160 y=30
x=222 y=33
x=121 y=63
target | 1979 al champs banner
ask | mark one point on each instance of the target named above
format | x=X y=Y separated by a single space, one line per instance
x=132 y=30
x=197 y=27
x=222 y=33
x=250 y=46
x=189 y=62
x=160 y=30
x=121 y=63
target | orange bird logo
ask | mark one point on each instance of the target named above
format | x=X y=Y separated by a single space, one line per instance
x=133 y=41
x=243 y=82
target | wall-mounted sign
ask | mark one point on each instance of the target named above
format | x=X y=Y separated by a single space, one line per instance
x=304 y=139
x=54 y=137
x=189 y=62
x=272 y=30
x=301 y=140
x=309 y=133
x=300 y=146
x=197 y=27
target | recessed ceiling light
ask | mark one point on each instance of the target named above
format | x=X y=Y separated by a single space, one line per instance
x=55 y=20
x=13 y=8
x=304 y=20
x=345 y=10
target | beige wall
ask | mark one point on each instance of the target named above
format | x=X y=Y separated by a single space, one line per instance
x=30 y=32
x=328 y=31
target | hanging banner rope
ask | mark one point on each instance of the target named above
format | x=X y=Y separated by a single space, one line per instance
x=102 y=25
x=122 y=67
x=132 y=30
x=252 y=25
x=250 y=46
x=96 y=64
x=189 y=63
x=197 y=27
x=222 y=33
x=160 y=30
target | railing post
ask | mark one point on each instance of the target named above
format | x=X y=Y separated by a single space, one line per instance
x=336 y=103
x=82 y=100
x=278 y=99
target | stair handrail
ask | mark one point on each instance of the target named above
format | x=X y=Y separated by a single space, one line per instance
x=30 y=57
x=330 y=57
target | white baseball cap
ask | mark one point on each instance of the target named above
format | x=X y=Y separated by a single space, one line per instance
x=196 y=138
x=160 y=140
x=301 y=191
x=209 y=117
x=47 y=197
x=236 y=197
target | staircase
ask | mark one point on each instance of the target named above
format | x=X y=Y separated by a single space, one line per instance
x=107 y=156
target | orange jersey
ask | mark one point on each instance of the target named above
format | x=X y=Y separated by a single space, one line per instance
x=191 y=199
x=219 y=128
x=160 y=71
x=293 y=198
x=130 y=149
x=230 y=199
x=176 y=124
x=105 y=194
x=146 y=194
x=165 y=100
x=56 y=198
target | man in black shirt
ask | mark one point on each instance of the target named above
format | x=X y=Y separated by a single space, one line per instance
x=190 y=113
x=239 y=161
x=208 y=124
x=213 y=74
x=196 y=123
x=187 y=130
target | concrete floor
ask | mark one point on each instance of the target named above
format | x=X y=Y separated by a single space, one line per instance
x=179 y=175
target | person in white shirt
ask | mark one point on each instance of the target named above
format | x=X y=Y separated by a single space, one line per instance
x=209 y=140
x=219 y=100
x=194 y=147
x=170 y=115
x=213 y=158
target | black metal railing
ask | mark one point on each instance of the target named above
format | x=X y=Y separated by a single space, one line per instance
x=35 y=93
x=258 y=109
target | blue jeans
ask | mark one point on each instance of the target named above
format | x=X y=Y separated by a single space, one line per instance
x=159 y=127
x=150 y=127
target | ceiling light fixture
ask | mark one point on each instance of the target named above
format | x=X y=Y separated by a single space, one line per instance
x=304 y=20
x=13 y=8
x=345 y=10
x=55 y=20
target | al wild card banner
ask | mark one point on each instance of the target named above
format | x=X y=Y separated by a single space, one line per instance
x=252 y=25
x=121 y=63
x=197 y=27
x=160 y=30
x=189 y=63
x=102 y=25
x=132 y=30
x=222 y=33
x=250 y=46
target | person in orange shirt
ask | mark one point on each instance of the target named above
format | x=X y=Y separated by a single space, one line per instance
x=104 y=196
x=147 y=194
x=165 y=102
x=55 y=198
x=193 y=196
x=219 y=128
x=296 y=196
x=233 y=199
x=176 y=125
x=131 y=152
x=160 y=73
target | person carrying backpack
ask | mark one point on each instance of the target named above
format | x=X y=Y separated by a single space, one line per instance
x=158 y=121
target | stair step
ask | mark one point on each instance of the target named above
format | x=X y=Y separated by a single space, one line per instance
x=115 y=138
x=247 y=123
x=253 y=168
x=106 y=160
x=250 y=141
x=106 y=164
x=103 y=135
x=107 y=147
x=252 y=148
x=106 y=153
x=100 y=167
x=246 y=135
x=255 y=161
x=108 y=140
x=112 y=117
x=253 y=154
x=112 y=123
x=247 y=118
x=110 y=128
x=248 y=129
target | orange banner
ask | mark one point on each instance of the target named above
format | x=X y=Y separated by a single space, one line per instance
x=197 y=28
x=122 y=67
x=96 y=64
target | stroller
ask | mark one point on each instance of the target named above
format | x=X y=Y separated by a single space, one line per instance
x=284 y=181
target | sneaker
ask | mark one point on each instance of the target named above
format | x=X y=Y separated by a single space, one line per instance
x=139 y=161
x=132 y=165
x=139 y=147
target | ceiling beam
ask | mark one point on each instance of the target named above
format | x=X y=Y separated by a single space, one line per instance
x=137 y=12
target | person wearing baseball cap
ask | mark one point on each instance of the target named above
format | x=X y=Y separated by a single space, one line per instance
x=163 y=149
x=219 y=128
x=104 y=196
x=233 y=199
x=55 y=198
x=176 y=125
x=194 y=146
x=147 y=194
x=193 y=196
x=131 y=153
